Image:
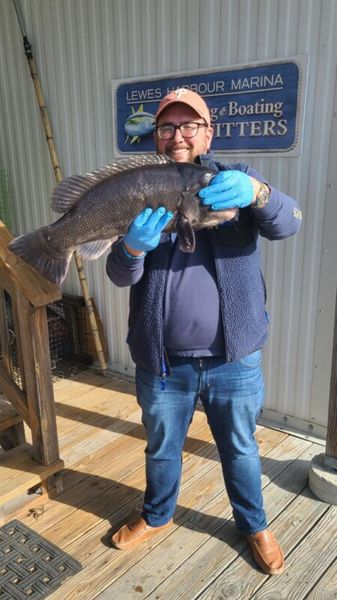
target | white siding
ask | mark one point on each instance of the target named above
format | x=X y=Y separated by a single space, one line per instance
x=81 y=45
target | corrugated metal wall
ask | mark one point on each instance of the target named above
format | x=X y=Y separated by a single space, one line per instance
x=81 y=45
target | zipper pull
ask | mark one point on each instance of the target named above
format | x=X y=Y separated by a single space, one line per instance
x=166 y=370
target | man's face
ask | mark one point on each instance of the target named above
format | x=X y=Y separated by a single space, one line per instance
x=179 y=148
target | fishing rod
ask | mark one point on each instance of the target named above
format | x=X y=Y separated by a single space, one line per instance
x=58 y=176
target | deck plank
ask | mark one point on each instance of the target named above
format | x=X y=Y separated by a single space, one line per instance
x=326 y=587
x=18 y=479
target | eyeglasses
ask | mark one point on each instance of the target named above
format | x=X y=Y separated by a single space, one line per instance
x=187 y=130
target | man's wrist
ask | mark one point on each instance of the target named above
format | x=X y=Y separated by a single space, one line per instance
x=131 y=252
x=262 y=193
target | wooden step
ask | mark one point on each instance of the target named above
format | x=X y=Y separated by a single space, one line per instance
x=20 y=473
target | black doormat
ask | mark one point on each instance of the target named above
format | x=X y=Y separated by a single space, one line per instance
x=30 y=567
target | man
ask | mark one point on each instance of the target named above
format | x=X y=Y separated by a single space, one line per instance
x=197 y=324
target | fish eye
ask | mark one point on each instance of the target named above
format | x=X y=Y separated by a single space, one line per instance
x=208 y=177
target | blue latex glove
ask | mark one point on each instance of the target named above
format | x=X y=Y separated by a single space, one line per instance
x=144 y=232
x=228 y=189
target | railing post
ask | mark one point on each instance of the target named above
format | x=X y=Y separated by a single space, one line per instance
x=32 y=332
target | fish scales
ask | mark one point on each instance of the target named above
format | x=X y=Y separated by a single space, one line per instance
x=100 y=206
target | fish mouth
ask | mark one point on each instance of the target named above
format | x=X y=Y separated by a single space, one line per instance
x=213 y=218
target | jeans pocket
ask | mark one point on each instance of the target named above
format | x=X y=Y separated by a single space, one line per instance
x=252 y=360
x=148 y=387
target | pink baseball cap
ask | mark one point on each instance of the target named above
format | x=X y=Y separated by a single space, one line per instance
x=185 y=96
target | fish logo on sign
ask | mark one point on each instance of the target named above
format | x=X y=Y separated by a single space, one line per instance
x=139 y=124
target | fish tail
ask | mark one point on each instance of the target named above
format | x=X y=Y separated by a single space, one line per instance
x=35 y=249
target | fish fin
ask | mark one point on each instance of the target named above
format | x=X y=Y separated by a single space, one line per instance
x=33 y=248
x=69 y=191
x=93 y=250
x=185 y=233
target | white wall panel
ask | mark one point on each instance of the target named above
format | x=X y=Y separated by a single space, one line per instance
x=81 y=45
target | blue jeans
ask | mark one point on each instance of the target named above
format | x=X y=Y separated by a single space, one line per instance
x=232 y=396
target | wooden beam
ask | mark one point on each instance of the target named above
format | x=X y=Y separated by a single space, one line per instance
x=19 y=357
x=14 y=394
x=33 y=338
x=6 y=280
x=4 y=341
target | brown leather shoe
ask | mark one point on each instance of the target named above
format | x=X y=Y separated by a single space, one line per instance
x=132 y=534
x=266 y=552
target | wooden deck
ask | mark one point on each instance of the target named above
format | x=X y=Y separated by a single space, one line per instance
x=202 y=556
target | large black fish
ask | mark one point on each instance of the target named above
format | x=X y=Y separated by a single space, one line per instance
x=101 y=205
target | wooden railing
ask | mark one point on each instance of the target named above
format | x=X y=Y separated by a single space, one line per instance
x=26 y=380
